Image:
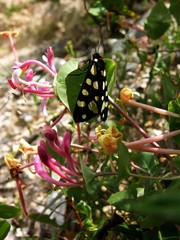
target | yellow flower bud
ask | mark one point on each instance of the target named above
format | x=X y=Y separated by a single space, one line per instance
x=109 y=138
x=126 y=94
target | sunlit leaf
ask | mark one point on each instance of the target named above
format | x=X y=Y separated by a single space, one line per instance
x=74 y=81
x=59 y=82
x=110 y=74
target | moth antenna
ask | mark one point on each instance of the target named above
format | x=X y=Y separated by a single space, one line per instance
x=98 y=46
x=93 y=43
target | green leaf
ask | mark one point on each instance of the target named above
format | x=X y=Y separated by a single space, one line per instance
x=122 y=200
x=174 y=10
x=123 y=161
x=7 y=211
x=169 y=89
x=84 y=208
x=89 y=225
x=88 y=176
x=118 y=197
x=163 y=205
x=97 y=11
x=147 y=161
x=174 y=123
x=4 y=229
x=158 y=21
x=59 y=82
x=74 y=82
x=176 y=162
x=110 y=74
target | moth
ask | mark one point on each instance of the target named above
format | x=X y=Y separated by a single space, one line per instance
x=93 y=96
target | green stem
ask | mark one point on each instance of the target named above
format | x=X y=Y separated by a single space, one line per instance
x=139 y=176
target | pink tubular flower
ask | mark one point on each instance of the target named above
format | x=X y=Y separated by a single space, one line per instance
x=50 y=59
x=22 y=77
x=62 y=147
x=68 y=171
x=9 y=35
x=41 y=89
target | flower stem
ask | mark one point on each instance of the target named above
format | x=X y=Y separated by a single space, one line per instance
x=142 y=132
x=152 y=139
x=152 y=109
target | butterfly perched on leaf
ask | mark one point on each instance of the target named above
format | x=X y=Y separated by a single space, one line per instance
x=92 y=99
x=84 y=90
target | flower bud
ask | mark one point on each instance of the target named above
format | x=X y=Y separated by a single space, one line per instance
x=49 y=133
x=42 y=152
x=126 y=94
x=109 y=138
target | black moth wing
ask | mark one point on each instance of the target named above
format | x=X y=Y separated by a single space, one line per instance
x=93 y=97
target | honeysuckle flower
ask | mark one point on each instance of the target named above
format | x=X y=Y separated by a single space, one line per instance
x=10 y=35
x=49 y=58
x=126 y=94
x=67 y=177
x=61 y=146
x=22 y=79
x=14 y=167
x=70 y=165
x=45 y=164
x=26 y=148
x=41 y=89
x=108 y=138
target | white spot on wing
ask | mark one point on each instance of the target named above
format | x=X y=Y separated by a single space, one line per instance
x=97 y=98
x=88 y=81
x=93 y=107
x=104 y=105
x=103 y=85
x=93 y=70
x=103 y=73
x=81 y=103
x=95 y=85
x=85 y=92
